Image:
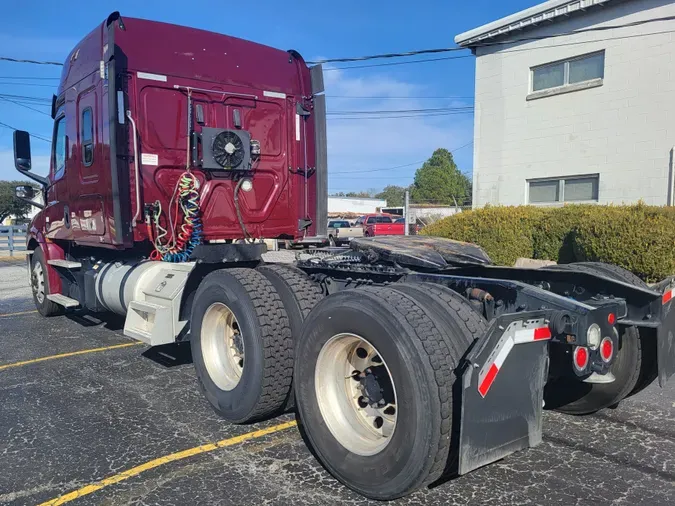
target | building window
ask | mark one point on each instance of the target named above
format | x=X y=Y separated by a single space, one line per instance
x=574 y=71
x=87 y=137
x=567 y=189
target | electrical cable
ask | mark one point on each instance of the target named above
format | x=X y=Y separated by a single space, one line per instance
x=24 y=105
x=426 y=60
x=34 y=62
x=511 y=41
x=397 y=166
x=34 y=135
x=393 y=111
x=238 y=209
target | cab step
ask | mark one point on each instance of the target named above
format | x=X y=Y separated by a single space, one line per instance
x=62 y=300
x=66 y=264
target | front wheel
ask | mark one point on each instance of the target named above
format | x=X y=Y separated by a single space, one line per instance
x=374 y=376
x=39 y=283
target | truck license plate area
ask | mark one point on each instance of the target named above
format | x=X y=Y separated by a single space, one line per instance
x=503 y=390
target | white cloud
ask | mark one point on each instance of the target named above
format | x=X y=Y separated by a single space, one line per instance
x=363 y=144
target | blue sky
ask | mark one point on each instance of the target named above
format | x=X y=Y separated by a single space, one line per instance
x=47 y=30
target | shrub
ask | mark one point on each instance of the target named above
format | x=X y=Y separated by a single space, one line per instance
x=639 y=238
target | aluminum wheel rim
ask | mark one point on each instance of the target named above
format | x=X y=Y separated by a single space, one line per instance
x=38 y=282
x=222 y=346
x=359 y=421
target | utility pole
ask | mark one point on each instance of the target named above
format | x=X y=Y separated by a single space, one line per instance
x=405 y=212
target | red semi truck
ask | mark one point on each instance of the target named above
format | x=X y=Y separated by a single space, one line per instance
x=405 y=358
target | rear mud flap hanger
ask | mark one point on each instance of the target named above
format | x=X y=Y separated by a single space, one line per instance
x=502 y=389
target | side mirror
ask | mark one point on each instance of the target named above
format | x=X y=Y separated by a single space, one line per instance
x=22 y=150
x=22 y=159
x=27 y=193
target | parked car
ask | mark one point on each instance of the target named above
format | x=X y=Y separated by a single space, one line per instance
x=380 y=224
x=413 y=228
x=341 y=232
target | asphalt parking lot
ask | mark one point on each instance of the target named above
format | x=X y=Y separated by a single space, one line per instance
x=90 y=417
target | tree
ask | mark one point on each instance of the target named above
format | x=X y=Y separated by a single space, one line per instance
x=440 y=181
x=394 y=195
x=9 y=204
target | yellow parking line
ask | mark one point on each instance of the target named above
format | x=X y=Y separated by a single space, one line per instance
x=65 y=355
x=18 y=313
x=135 y=471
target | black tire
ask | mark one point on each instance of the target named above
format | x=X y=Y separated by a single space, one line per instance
x=413 y=346
x=46 y=307
x=465 y=324
x=633 y=368
x=265 y=381
x=299 y=295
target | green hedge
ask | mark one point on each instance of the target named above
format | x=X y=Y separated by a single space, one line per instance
x=639 y=238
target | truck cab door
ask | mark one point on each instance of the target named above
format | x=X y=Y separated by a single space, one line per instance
x=87 y=202
x=58 y=224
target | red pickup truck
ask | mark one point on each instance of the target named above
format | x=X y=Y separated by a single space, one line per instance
x=380 y=224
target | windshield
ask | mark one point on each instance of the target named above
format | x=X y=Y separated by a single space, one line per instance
x=339 y=224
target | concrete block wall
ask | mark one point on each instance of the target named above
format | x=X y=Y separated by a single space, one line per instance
x=623 y=130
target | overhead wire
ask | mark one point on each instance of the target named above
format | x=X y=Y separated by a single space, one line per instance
x=25 y=106
x=397 y=166
x=33 y=135
x=493 y=43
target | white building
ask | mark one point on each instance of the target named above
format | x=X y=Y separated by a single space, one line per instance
x=355 y=205
x=575 y=117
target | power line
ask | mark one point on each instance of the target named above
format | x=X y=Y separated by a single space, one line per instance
x=393 y=111
x=30 y=78
x=12 y=83
x=34 y=62
x=397 y=63
x=24 y=98
x=399 y=98
x=23 y=105
x=510 y=41
x=34 y=135
x=396 y=167
x=420 y=115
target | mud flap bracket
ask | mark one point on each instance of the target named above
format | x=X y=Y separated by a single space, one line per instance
x=502 y=384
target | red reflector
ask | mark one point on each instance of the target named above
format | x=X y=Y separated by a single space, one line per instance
x=542 y=333
x=606 y=349
x=667 y=296
x=580 y=358
x=611 y=318
x=487 y=381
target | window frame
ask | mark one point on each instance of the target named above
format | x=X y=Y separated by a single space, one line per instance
x=59 y=173
x=91 y=141
x=566 y=87
x=368 y=222
x=561 y=180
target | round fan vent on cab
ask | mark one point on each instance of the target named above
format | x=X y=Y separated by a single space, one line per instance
x=226 y=149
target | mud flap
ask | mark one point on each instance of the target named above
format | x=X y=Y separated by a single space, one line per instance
x=503 y=390
x=665 y=336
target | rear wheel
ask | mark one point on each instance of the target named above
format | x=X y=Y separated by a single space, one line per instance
x=241 y=344
x=374 y=376
x=39 y=283
x=633 y=368
x=299 y=295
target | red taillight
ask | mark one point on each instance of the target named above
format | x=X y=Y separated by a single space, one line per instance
x=580 y=358
x=606 y=349
x=611 y=318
